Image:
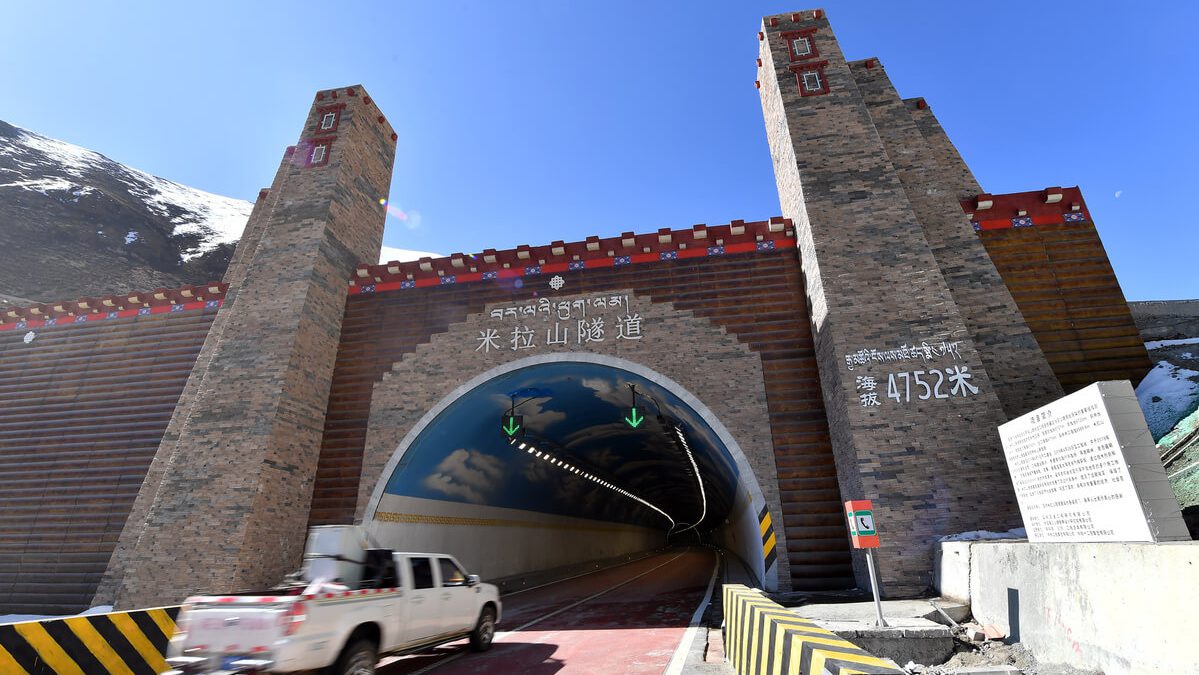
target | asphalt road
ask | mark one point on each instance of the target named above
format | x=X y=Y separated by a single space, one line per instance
x=627 y=619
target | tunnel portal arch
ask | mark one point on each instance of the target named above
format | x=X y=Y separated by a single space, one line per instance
x=687 y=354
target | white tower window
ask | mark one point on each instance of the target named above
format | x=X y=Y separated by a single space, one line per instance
x=811 y=81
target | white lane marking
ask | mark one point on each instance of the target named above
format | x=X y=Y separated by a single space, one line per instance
x=680 y=655
x=500 y=636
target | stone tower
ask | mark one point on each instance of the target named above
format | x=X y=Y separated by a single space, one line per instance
x=225 y=504
x=916 y=335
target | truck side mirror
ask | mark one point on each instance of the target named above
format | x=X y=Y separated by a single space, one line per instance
x=472 y=580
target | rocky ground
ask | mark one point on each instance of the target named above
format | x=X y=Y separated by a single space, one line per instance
x=992 y=653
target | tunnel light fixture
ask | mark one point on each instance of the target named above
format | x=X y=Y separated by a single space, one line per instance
x=703 y=497
x=554 y=461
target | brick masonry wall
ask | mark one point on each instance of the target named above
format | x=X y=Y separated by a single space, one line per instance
x=235 y=274
x=757 y=298
x=874 y=283
x=955 y=174
x=1022 y=377
x=231 y=509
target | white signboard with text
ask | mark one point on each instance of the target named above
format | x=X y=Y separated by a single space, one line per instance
x=1085 y=469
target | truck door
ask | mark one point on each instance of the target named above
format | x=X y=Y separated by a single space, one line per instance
x=423 y=601
x=457 y=599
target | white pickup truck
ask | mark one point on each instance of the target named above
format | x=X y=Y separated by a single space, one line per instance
x=348 y=605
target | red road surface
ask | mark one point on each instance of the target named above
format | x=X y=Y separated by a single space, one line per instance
x=628 y=619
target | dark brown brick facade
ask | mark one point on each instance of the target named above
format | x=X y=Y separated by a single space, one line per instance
x=82 y=411
x=271 y=428
x=1063 y=282
x=756 y=297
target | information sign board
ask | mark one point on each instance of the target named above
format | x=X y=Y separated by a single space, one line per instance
x=1085 y=469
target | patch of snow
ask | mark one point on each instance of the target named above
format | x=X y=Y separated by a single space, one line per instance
x=216 y=219
x=1170 y=343
x=1176 y=391
x=130 y=237
x=18 y=618
x=74 y=160
x=43 y=185
x=984 y=535
x=393 y=254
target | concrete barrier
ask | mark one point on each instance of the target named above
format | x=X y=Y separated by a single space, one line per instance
x=1122 y=608
x=116 y=642
x=762 y=637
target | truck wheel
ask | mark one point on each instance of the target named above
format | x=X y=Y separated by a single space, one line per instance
x=481 y=636
x=357 y=659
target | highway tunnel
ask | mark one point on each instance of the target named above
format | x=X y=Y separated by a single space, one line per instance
x=546 y=465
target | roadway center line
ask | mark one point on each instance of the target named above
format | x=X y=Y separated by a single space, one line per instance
x=500 y=636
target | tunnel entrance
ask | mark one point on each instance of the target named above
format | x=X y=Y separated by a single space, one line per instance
x=556 y=460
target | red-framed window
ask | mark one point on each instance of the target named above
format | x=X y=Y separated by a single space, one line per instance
x=317 y=150
x=801 y=44
x=328 y=118
x=810 y=78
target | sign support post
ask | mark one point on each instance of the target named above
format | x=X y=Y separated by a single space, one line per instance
x=860 y=514
x=878 y=603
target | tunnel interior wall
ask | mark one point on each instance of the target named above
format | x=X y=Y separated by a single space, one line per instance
x=742 y=535
x=497 y=542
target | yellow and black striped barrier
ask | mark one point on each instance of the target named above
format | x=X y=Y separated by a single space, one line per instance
x=761 y=637
x=769 y=554
x=118 y=642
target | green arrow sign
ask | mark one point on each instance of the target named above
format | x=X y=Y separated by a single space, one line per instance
x=512 y=424
x=633 y=420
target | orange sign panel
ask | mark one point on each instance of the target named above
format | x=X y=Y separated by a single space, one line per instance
x=860 y=515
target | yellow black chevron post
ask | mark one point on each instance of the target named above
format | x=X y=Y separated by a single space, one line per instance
x=117 y=642
x=769 y=554
x=763 y=638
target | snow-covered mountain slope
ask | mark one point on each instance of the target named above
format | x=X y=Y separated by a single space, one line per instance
x=74 y=223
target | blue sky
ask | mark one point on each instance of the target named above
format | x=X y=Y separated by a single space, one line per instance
x=526 y=122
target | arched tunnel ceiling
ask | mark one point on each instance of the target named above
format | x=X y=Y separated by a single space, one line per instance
x=579 y=414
